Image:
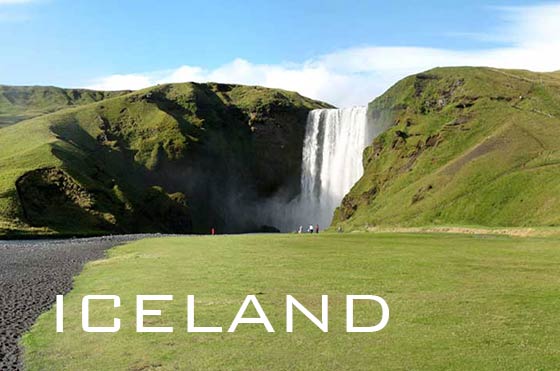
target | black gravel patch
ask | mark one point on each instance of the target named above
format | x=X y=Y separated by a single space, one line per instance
x=32 y=273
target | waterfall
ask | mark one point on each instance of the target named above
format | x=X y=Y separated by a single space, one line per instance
x=331 y=164
x=332 y=161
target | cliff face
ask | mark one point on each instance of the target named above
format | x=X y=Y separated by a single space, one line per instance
x=465 y=146
x=173 y=158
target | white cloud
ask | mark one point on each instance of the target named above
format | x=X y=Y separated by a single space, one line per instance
x=532 y=26
x=124 y=82
x=356 y=75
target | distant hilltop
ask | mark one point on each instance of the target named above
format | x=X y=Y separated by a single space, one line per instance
x=18 y=103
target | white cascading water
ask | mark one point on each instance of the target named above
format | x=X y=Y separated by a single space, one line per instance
x=332 y=161
x=333 y=147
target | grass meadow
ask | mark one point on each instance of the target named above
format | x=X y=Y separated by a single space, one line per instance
x=456 y=302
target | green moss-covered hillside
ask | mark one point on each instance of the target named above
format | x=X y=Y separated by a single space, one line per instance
x=18 y=103
x=466 y=146
x=172 y=158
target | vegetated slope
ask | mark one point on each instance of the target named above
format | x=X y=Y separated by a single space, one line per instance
x=18 y=103
x=172 y=158
x=468 y=146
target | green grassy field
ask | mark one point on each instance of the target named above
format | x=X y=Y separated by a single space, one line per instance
x=456 y=301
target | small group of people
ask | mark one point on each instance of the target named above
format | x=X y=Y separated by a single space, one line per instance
x=311 y=229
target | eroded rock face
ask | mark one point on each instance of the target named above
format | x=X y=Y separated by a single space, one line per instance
x=278 y=135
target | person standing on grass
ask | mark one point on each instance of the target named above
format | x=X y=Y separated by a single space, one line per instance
x=317 y=228
x=310 y=230
x=300 y=230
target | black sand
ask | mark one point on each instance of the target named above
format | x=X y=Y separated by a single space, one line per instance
x=32 y=273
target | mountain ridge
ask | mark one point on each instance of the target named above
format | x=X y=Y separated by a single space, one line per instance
x=464 y=146
x=150 y=160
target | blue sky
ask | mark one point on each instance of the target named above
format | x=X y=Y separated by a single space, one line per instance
x=323 y=49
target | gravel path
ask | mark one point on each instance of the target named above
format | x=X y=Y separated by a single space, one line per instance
x=32 y=273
